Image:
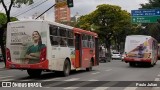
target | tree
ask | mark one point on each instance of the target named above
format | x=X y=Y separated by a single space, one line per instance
x=152 y=29
x=84 y=22
x=152 y=4
x=109 y=21
x=15 y=3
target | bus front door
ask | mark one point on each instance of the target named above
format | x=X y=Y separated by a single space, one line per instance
x=78 y=51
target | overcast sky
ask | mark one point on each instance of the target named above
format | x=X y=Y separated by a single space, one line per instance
x=81 y=7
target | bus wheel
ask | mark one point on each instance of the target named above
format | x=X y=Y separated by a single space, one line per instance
x=132 y=64
x=66 y=68
x=90 y=67
x=34 y=72
x=151 y=65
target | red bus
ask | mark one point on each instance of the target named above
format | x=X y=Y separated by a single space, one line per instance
x=38 y=46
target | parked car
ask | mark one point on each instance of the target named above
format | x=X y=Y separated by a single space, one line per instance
x=116 y=55
x=123 y=56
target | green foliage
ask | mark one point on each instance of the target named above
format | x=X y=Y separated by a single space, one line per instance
x=14 y=19
x=18 y=3
x=3 y=19
x=84 y=22
x=152 y=4
x=109 y=21
x=154 y=28
x=14 y=3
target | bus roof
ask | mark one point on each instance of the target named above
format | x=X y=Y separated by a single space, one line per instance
x=141 y=36
x=49 y=22
x=138 y=36
x=78 y=30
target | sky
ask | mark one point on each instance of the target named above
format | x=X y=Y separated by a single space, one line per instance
x=81 y=7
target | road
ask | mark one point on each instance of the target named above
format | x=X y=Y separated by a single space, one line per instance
x=107 y=76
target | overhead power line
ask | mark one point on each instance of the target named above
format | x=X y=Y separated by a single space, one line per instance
x=31 y=8
x=26 y=8
x=46 y=11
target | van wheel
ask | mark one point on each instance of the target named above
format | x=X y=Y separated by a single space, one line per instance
x=66 y=68
x=34 y=72
x=90 y=67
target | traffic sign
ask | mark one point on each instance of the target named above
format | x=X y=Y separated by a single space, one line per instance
x=146 y=12
x=147 y=19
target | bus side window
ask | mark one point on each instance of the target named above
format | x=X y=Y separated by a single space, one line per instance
x=53 y=30
x=92 y=42
x=54 y=40
x=70 y=34
x=63 y=42
x=70 y=42
x=84 y=40
x=54 y=35
x=63 y=32
x=70 y=38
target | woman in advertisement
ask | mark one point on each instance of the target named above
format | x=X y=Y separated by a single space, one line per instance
x=33 y=51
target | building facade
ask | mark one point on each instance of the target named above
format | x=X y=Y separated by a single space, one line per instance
x=62 y=14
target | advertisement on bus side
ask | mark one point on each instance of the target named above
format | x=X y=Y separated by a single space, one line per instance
x=26 y=44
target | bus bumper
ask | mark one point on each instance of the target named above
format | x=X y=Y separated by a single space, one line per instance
x=41 y=65
x=148 y=60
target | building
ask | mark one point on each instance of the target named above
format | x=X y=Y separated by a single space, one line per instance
x=75 y=17
x=62 y=14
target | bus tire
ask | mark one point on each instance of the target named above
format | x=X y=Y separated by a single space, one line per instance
x=132 y=64
x=34 y=72
x=66 y=68
x=90 y=67
x=151 y=65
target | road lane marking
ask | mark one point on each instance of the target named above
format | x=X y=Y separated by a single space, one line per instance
x=158 y=75
x=7 y=80
x=130 y=88
x=71 y=88
x=96 y=73
x=155 y=88
x=46 y=87
x=6 y=77
x=72 y=79
x=93 y=80
x=50 y=79
x=27 y=80
x=108 y=70
x=101 y=88
x=157 y=79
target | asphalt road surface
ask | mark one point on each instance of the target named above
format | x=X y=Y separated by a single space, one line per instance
x=114 y=75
